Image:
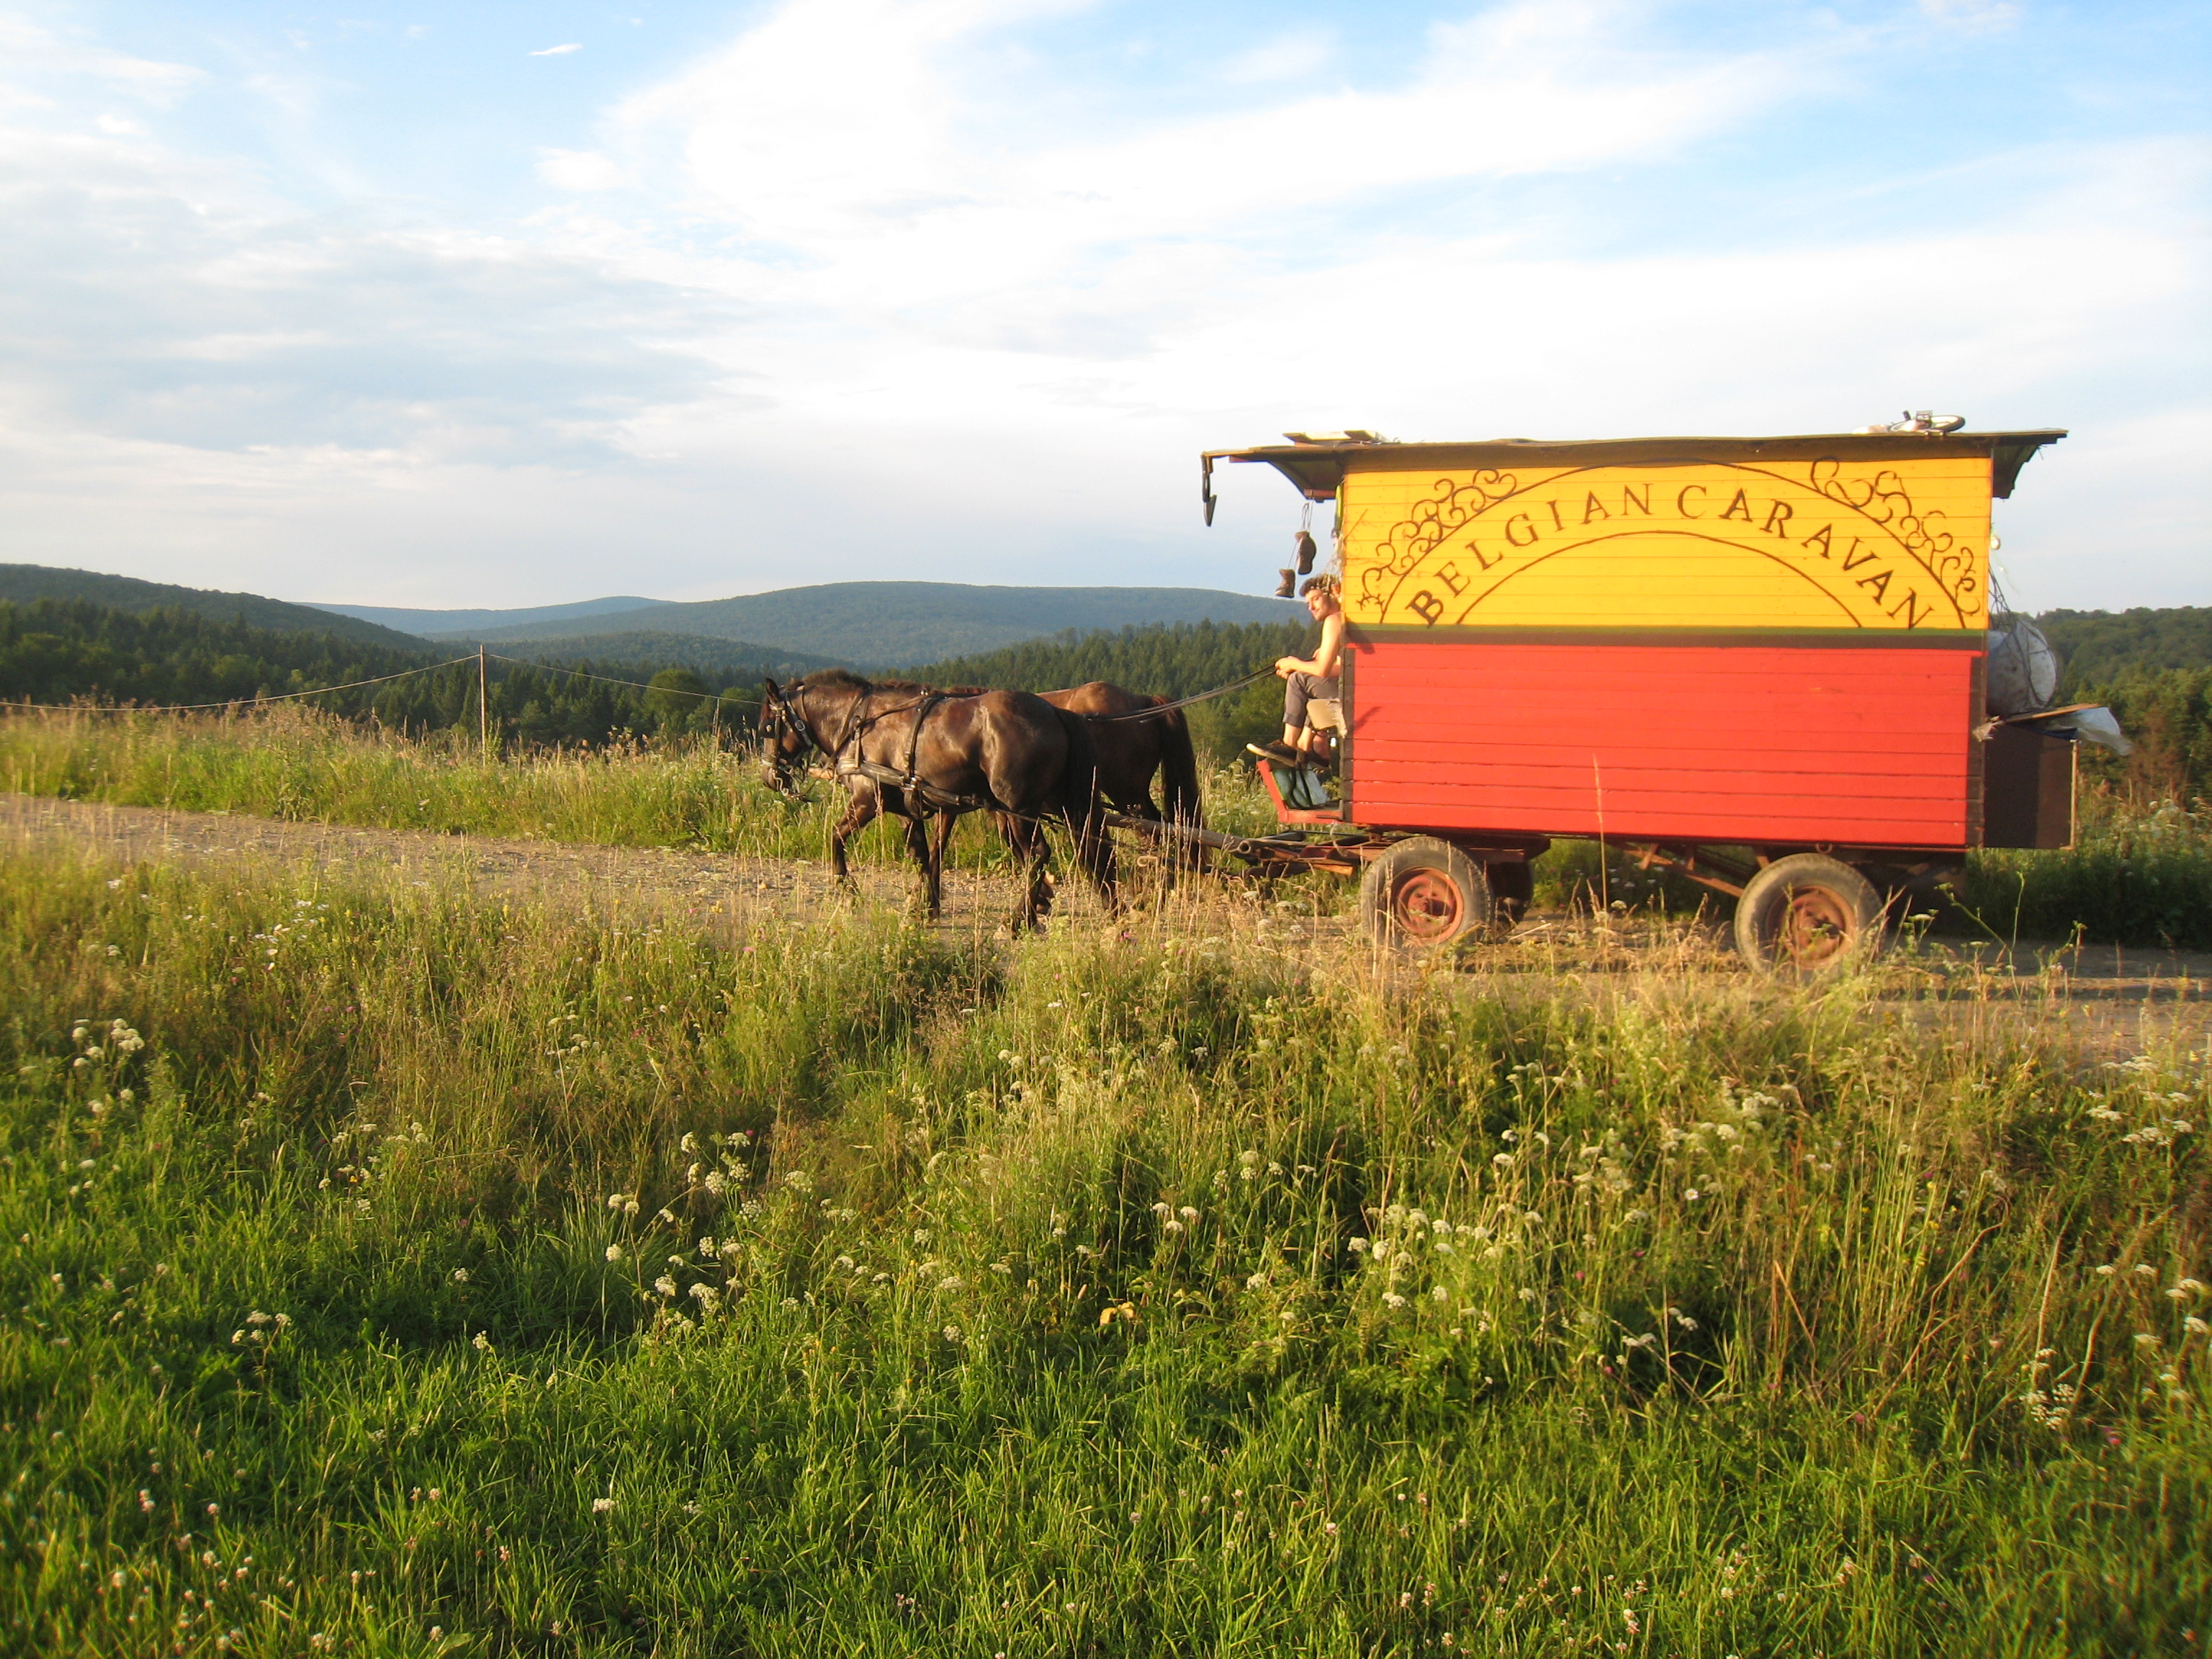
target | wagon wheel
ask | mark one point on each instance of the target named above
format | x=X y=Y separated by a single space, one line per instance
x=1422 y=894
x=1807 y=915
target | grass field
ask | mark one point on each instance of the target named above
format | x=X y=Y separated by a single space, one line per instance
x=393 y=1274
x=2137 y=877
x=297 y=764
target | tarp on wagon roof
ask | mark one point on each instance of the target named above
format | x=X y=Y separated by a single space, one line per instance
x=1318 y=465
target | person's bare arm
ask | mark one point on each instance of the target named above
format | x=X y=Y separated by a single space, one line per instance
x=1324 y=660
x=1328 y=654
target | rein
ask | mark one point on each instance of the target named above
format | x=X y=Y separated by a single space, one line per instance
x=1158 y=709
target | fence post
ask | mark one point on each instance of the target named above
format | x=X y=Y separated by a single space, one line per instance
x=483 y=706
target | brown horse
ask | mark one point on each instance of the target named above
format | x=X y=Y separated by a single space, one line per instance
x=1133 y=745
x=917 y=753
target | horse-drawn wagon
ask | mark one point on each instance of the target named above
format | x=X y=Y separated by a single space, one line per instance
x=1757 y=661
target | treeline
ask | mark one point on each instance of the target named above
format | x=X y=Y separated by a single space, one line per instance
x=1173 y=660
x=2168 y=715
x=2099 y=648
x=2154 y=667
x=66 y=651
x=1177 y=660
x=73 y=650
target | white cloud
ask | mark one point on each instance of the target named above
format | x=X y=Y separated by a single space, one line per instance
x=1284 y=58
x=557 y=51
x=27 y=49
x=578 y=170
x=864 y=137
x=1977 y=15
x=881 y=300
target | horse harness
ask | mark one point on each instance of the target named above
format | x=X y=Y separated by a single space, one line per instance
x=846 y=762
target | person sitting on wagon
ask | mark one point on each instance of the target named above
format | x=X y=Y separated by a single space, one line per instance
x=1309 y=680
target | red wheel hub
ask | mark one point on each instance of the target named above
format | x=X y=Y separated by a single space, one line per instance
x=1426 y=905
x=1817 y=927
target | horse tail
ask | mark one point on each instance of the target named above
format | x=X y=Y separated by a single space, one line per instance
x=1082 y=804
x=1179 y=772
x=1077 y=794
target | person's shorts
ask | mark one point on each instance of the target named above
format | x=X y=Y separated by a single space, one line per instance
x=1299 y=690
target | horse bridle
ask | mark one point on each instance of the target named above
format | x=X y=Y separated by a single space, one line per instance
x=857 y=721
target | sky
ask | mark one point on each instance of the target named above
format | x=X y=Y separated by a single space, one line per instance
x=510 y=304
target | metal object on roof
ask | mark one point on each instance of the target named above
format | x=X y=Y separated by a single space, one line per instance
x=1317 y=463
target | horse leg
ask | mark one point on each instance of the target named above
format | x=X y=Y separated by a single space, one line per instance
x=917 y=843
x=1095 y=848
x=946 y=823
x=858 y=817
x=1027 y=838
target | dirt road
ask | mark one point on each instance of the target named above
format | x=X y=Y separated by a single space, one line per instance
x=616 y=880
x=2111 y=998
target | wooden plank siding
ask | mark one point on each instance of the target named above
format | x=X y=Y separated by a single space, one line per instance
x=1862 y=745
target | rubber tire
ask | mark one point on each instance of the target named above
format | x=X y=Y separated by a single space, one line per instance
x=1425 y=895
x=1807 y=915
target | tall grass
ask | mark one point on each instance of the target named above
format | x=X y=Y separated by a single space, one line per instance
x=300 y=764
x=2141 y=877
x=396 y=1275
x=2135 y=876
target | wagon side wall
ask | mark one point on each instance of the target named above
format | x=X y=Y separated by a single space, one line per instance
x=1860 y=744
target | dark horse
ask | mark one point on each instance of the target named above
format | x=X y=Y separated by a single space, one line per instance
x=1131 y=744
x=918 y=753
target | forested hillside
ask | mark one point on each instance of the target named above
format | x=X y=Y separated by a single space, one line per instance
x=26 y=583
x=69 y=650
x=1171 y=660
x=2099 y=647
x=870 y=624
x=59 y=651
x=721 y=662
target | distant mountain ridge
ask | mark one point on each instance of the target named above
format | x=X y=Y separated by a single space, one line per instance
x=26 y=583
x=875 y=625
x=430 y=623
x=724 y=660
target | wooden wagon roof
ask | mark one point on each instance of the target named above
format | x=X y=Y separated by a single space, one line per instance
x=1318 y=465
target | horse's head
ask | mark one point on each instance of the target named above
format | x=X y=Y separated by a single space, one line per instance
x=784 y=738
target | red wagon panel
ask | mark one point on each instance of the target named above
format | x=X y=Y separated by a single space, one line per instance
x=1859 y=745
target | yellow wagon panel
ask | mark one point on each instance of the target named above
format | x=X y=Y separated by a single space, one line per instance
x=1805 y=542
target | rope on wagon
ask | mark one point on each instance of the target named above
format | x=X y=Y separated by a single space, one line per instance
x=246 y=703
